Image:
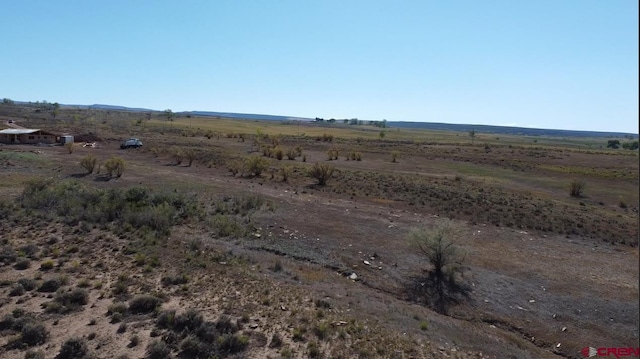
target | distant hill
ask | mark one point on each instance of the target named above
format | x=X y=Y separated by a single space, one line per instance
x=393 y=124
x=506 y=130
x=245 y=116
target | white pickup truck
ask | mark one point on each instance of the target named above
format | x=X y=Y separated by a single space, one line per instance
x=131 y=143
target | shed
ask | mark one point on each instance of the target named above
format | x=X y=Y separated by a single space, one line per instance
x=64 y=139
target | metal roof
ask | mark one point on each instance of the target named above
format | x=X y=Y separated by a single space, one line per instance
x=18 y=131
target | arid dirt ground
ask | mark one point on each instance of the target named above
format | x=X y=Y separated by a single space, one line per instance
x=547 y=274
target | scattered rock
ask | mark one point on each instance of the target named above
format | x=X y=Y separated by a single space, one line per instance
x=353 y=276
x=367 y=263
x=564 y=329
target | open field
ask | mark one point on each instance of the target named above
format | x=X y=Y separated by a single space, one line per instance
x=190 y=253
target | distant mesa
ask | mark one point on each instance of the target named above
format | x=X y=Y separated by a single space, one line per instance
x=506 y=130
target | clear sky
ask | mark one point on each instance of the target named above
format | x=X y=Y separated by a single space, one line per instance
x=566 y=64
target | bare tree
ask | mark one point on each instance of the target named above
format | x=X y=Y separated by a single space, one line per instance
x=445 y=260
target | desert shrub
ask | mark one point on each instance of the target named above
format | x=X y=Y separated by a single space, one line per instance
x=34 y=354
x=190 y=154
x=576 y=187
x=114 y=166
x=313 y=351
x=189 y=320
x=278 y=153
x=228 y=226
x=116 y=318
x=321 y=330
x=166 y=319
x=321 y=303
x=16 y=290
x=174 y=280
x=276 y=341
x=292 y=153
x=177 y=156
x=298 y=334
x=33 y=334
x=74 y=348
x=145 y=303
x=286 y=173
x=118 y=307
x=333 y=154
x=445 y=260
x=27 y=284
x=232 y=343
x=235 y=167
x=256 y=165
x=321 y=172
x=134 y=341
x=137 y=207
x=225 y=325
x=51 y=285
x=70 y=146
x=158 y=350
x=22 y=264
x=46 y=265
x=192 y=347
x=394 y=156
x=30 y=250
x=8 y=255
x=89 y=163
x=66 y=301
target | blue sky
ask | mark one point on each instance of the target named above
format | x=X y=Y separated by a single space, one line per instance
x=568 y=64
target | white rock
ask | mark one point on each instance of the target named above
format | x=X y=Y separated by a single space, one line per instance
x=353 y=276
x=367 y=263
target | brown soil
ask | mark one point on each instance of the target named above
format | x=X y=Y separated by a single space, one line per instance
x=533 y=292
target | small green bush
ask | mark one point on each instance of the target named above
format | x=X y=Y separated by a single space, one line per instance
x=66 y=301
x=34 y=354
x=27 y=284
x=158 y=350
x=74 y=348
x=16 y=290
x=394 y=156
x=114 y=166
x=34 y=334
x=143 y=304
x=46 y=265
x=576 y=187
x=51 y=285
x=232 y=343
x=174 y=280
x=190 y=319
x=256 y=165
x=89 y=163
x=22 y=264
x=321 y=172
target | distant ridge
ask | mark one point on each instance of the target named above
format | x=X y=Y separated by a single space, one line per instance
x=511 y=130
x=246 y=116
x=507 y=130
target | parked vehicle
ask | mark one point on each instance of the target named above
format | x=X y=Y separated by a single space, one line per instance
x=131 y=143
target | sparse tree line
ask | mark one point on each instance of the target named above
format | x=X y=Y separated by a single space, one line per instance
x=615 y=144
x=354 y=122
